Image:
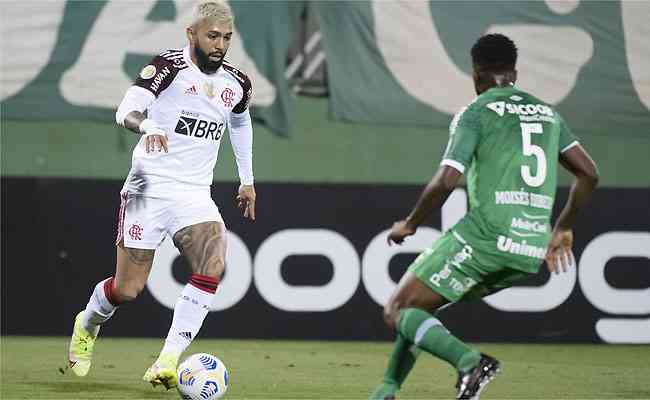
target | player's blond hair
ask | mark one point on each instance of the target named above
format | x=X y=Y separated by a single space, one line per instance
x=216 y=9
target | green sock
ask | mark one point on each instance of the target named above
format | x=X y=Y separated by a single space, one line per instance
x=428 y=333
x=383 y=391
x=401 y=362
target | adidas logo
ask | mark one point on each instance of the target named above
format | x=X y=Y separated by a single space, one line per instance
x=186 y=335
x=191 y=90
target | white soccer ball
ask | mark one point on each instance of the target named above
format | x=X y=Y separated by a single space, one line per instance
x=202 y=377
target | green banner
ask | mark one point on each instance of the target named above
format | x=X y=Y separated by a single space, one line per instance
x=74 y=60
x=388 y=62
x=408 y=62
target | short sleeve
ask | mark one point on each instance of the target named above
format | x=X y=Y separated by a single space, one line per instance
x=464 y=135
x=567 y=138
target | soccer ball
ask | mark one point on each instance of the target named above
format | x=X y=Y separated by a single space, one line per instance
x=202 y=377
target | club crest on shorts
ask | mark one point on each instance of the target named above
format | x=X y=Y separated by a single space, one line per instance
x=227 y=96
x=135 y=231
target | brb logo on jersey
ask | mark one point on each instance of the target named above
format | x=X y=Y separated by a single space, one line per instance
x=227 y=96
x=190 y=125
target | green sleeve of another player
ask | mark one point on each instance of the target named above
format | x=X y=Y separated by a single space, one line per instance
x=567 y=138
x=464 y=135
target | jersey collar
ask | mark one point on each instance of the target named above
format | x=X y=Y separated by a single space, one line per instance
x=502 y=89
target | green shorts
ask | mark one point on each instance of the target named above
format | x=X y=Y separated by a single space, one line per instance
x=458 y=270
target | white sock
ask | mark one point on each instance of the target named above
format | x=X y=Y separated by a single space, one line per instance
x=99 y=308
x=189 y=312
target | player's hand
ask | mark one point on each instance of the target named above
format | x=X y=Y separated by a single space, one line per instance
x=246 y=200
x=156 y=141
x=559 y=254
x=401 y=229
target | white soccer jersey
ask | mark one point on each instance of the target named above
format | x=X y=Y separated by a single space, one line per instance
x=194 y=109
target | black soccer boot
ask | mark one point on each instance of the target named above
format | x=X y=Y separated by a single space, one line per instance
x=471 y=383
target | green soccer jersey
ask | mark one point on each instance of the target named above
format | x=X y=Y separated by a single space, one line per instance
x=507 y=143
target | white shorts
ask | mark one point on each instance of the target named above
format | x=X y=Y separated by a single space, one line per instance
x=143 y=221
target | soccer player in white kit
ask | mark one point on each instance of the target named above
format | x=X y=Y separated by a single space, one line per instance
x=181 y=104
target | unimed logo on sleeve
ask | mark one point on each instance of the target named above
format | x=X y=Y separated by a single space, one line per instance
x=199 y=128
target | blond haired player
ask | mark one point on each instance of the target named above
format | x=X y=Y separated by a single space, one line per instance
x=181 y=103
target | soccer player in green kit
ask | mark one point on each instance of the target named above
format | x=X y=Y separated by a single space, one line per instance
x=509 y=144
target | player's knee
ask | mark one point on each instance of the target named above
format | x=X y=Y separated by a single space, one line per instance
x=128 y=292
x=215 y=267
x=391 y=314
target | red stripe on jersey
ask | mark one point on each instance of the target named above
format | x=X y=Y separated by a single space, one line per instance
x=121 y=214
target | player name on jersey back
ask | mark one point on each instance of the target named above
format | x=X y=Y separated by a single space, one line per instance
x=523 y=198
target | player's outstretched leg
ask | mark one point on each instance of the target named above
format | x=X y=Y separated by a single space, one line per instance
x=428 y=333
x=471 y=383
x=100 y=308
x=189 y=312
x=475 y=370
x=400 y=364
x=132 y=270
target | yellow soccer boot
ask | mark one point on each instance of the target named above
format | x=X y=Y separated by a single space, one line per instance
x=82 y=344
x=163 y=371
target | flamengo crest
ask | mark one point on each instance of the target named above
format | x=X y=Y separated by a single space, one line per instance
x=227 y=96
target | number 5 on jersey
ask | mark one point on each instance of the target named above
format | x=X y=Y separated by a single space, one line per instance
x=529 y=149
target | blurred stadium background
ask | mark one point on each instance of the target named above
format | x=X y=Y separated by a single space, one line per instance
x=351 y=105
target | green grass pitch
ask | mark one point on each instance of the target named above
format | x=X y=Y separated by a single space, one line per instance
x=324 y=370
